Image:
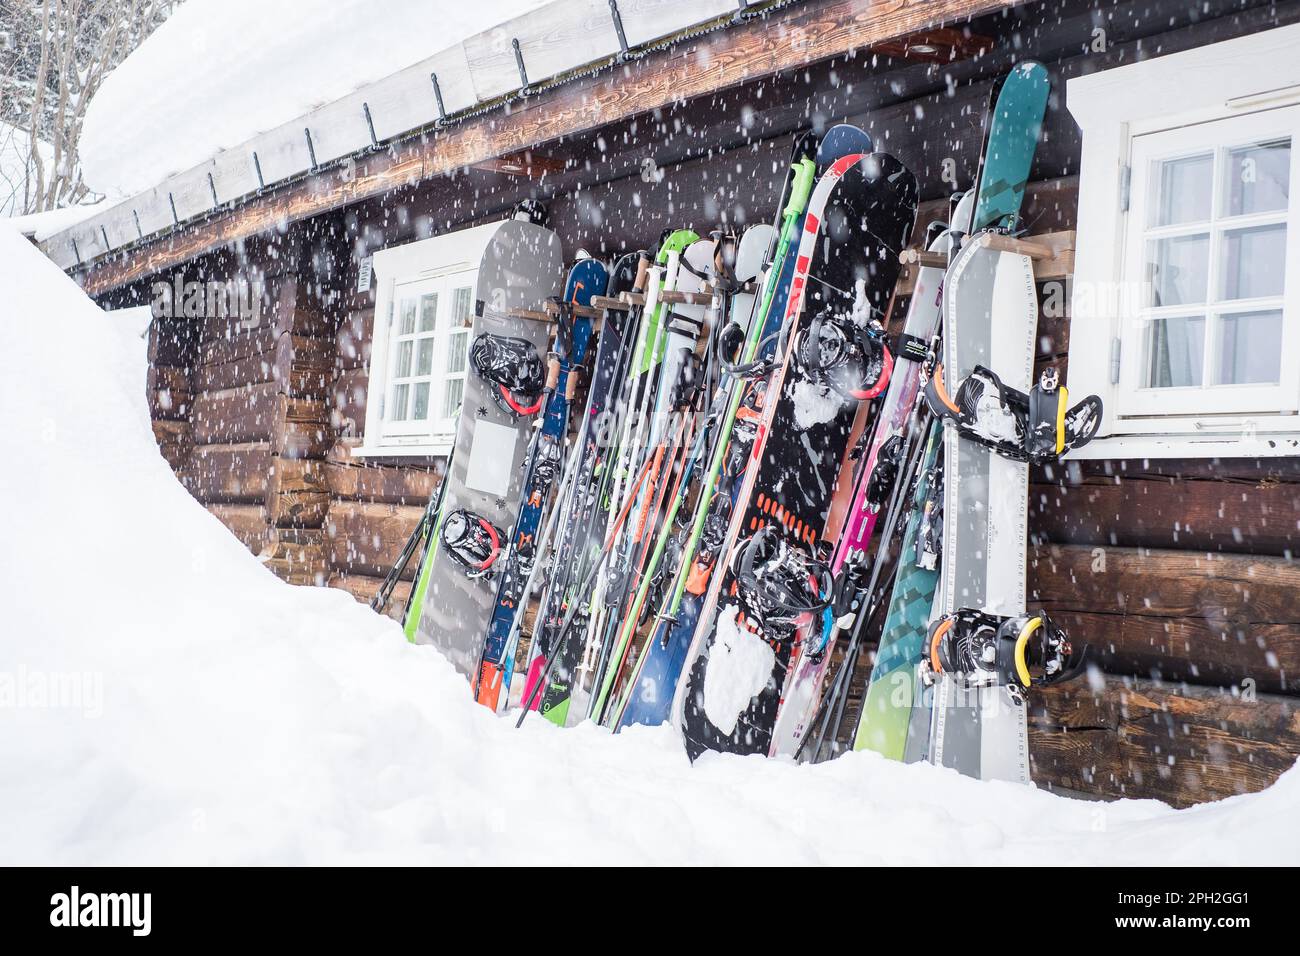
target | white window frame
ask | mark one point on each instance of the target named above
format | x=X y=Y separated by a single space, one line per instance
x=443 y=264
x=441 y=429
x=1209 y=97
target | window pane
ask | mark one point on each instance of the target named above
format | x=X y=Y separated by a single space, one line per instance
x=1250 y=349
x=424 y=363
x=1254 y=262
x=457 y=349
x=398 y=413
x=1177 y=269
x=408 y=316
x=403 y=367
x=420 y=401
x=428 y=311
x=462 y=311
x=453 y=390
x=1259 y=178
x=1176 y=352
x=1185 y=190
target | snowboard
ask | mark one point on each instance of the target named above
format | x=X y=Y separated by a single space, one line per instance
x=990 y=319
x=451 y=602
x=895 y=719
x=880 y=468
x=858 y=221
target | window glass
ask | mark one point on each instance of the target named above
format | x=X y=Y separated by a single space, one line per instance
x=1250 y=348
x=1185 y=190
x=1178 y=270
x=1259 y=178
x=1177 y=352
x=1254 y=262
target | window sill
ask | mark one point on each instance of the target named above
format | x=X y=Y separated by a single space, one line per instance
x=1280 y=444
x=433 y=450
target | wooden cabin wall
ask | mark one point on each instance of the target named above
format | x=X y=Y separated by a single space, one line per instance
x=1194 y=694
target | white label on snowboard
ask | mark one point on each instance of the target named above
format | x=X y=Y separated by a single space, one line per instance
x=491 y=452
x=739 y=667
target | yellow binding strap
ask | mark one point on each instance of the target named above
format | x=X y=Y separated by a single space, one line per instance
x=1022 y=666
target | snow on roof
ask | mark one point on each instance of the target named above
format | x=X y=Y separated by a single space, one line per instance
x=42 y=225
x=173 y=671
x=323 y=70
x=197 y=85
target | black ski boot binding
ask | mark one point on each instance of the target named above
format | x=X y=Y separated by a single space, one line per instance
x=779 y=584
x=515 y=368
x=883 y=476
x=530 y=210
x=1034 y=427
x=990 y=650
x=847 y=355
x=473 y=541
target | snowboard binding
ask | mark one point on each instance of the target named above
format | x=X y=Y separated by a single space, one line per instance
x=530 y=210
x=515 y=368
x=1037 y=427
x=849 y=357
x=731 y=343
x=885 y=473
x=1020 y=652
x=780 y=585
x=472 y=541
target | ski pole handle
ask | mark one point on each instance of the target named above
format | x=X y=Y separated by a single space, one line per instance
x=804 y=173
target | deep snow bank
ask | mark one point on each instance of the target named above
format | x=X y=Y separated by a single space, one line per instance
x=211 y=713
x=220 y=71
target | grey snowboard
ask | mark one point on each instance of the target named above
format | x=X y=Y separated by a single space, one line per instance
x=521 y=266
x=990 y=319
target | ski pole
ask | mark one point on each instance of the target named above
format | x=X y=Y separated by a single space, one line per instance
x=800 y=191
x=569 y=618
x=896 y=507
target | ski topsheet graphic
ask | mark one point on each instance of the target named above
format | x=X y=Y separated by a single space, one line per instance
x=454 y=593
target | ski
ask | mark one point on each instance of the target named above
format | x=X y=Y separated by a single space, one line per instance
x=587 y=278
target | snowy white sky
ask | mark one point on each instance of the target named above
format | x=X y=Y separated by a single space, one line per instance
x=198 y=85
x=214 y=714
x=15 y=151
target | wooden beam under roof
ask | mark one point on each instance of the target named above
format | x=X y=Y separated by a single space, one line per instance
x=789 y=38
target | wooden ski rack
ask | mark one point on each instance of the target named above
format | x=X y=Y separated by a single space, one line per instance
x=1052 y=254
x=550 y=310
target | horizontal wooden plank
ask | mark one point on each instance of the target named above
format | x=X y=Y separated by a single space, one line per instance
x=230 y=472
x=247 y=522
x=387 y=484
x=301 y=366
x=367 y=538
x=1177 y=743
x=297 y=493
x=364 y=588
x=1176 y=513
x=1220 y=619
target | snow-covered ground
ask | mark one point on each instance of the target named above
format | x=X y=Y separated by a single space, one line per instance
x=165 y=699
x=197 y=85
